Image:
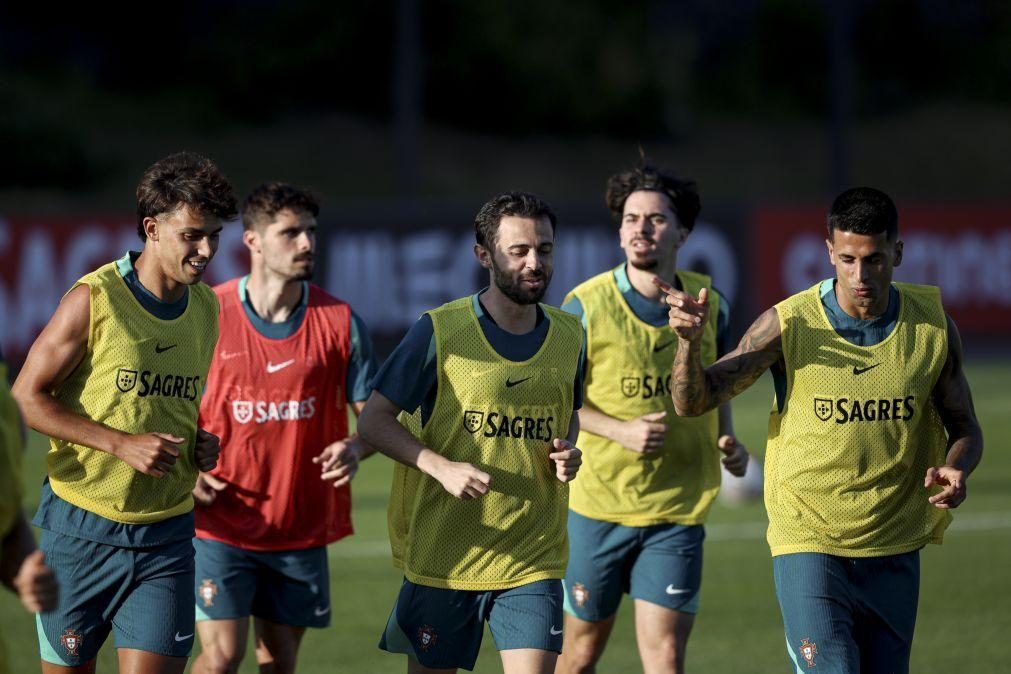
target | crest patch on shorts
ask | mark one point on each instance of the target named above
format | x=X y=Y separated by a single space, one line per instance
x=71 y=640
x=580 y=595
x=808 y=649
x=427 y=637
x=207 y=591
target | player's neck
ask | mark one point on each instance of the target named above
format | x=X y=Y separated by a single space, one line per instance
x=642 y=279
x=273 y=299
x=519 y=319
x=155 y=281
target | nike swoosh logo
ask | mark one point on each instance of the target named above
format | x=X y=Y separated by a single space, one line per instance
x=228 y=355
x=183 y=637
x=657 y=348
x=158 y=348
x=861 y=370
x=271 y=368
x=554 y=632
x=318 y=611
x=510 y=383
x=679 y=590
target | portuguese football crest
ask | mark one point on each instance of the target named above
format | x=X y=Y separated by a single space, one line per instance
x=207 y=591
x=808 y=649
x=242 y=410
x=472 y=420
x=126 y=379
x=426 y=637
x=71 y=640
x=823 y=408
x=630 y=386
x=580 y=594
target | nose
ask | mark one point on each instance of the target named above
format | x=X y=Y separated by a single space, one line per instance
x=862 y=270
x=206 y=248
x=306 y=240
x=534 y=260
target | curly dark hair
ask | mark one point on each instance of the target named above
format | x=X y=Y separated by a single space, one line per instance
x=269 y=199
x=864 y=210
x=184 y=179
x=683 y=194
x=521 y=204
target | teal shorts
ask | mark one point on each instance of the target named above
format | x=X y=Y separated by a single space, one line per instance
x=142 y=595
x=290 y=587
x=443 y=628
x=846 y=615
x=661 y=564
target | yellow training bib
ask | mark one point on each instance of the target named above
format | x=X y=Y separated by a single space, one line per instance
x=140 y=374
x=628 y=374
x=846 y=458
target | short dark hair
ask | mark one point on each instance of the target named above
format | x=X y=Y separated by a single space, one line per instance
x=183 y=179
x=269 y=199
x=520 y=204
x=683 y=193
x=864 y=210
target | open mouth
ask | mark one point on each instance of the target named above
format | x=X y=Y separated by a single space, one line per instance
x=197 y=265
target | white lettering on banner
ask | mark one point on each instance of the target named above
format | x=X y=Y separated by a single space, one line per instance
x=971 y=266
x=390 y=281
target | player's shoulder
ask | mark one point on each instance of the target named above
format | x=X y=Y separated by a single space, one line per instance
x=592 y=286
x=226 y=289
x=461 y=304
x=320 y=297
x=564 y=320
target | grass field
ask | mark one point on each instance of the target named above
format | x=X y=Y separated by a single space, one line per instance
x=964 y=614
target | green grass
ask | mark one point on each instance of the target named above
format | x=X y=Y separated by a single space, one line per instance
x=963 y=617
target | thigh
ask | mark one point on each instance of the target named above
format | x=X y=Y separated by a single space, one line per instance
x=668 y=570
x=224 y=581
x=528 y=617
x=143 y=662
x=889 y=590
x=293 y=588
x=94 y=578
x=157 y=616
x=528 y=661
x=436 y=627
x=815 y=596
x=600 y=556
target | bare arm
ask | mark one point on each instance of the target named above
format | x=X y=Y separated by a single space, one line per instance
x=378 y=426
x=953 y=400
x=52 y=358
x=697 y=390
x=24 y=571
x=641 y=434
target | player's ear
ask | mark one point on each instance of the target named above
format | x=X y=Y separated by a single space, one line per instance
x=898 y=253
x=150 y=226
x=831 y=251
x=483 y=255
x=251 y=239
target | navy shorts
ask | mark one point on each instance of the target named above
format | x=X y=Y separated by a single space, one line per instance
x=290 y=587
x=442 y=628
x=661 y=564
x=848 y=615
x=142 y=595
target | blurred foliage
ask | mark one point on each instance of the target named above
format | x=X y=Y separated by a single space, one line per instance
x=624 y=70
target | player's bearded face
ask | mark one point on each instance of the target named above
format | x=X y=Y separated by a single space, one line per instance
x=521 y=263
x=864 y=265
x=288 y=245
x=650 y=232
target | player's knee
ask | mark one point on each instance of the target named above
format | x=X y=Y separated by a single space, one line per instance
x=667 y=649
x=218 y=661
x=581 y=653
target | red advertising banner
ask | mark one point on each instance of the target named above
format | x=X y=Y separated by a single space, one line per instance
x=965 y=250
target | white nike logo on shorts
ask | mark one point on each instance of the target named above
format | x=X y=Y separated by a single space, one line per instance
x=271 y=368
x=321 y=611
x=183 y=637
x=554 y=632
x=673 y=590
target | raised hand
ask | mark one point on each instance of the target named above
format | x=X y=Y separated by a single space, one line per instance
x=687 y=315
x=153 y=454
x=205 y=491
x=567 y=458
x=952 y=481
x=735 y=455
x=645 y=433
x=206 y=450
x=339 y=461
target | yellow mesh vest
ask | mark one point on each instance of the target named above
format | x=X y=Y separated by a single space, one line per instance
x=405 y=485
x=140 y=374
x=10 y=456
x=846 y=458
x=500 y=416
x=628 y=367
